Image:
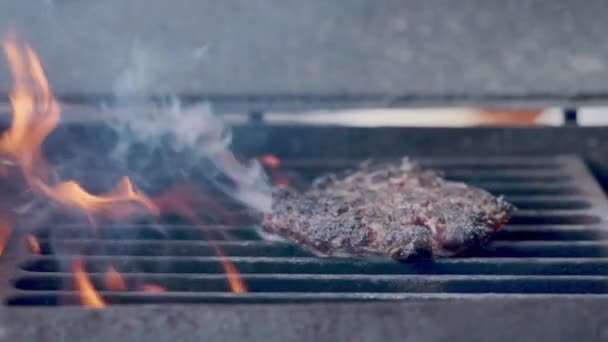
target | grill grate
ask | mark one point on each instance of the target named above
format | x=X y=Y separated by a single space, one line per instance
x=553 y=246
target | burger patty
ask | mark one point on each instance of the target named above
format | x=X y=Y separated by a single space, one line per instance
x=400 y=210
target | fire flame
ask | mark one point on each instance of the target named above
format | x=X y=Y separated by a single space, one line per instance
x=36 y=113
x=34 y=244
x=6 y=229
x=113 y=280
x=270 y=161
x=235 y=281
x=88 y=295
x=274 y=163
x=237 y=285
x=71 y=194
x=152 y=288
x=181 y=201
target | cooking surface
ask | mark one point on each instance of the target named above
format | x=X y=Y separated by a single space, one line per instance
x=553 y=246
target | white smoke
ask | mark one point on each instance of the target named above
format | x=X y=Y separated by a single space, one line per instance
x=195 y=131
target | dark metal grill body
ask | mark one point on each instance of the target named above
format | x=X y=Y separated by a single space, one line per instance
x=542 y=279
x=554 y=246
x=546 y=272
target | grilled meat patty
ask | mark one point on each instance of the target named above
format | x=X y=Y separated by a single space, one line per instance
x=400 y=210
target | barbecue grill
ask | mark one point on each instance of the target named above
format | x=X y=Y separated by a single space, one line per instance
x=552 y=246
x=545 y=275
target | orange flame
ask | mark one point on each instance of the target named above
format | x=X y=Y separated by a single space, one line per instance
x=114 y=203
x=6 y=229
x=181 y=201
x=34 y=244
x=113 y=280
x=235 y=281
x=152 y=288
x=274 y=163
x=88 y=295
x=270 y=161
x=36 y=112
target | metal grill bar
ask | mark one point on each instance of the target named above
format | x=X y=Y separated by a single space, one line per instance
x=554 y=246
x=312 y=265
x=61 y=298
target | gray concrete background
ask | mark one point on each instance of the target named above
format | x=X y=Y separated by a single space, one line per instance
x=551 y=52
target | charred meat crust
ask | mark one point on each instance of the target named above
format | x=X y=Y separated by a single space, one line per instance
x=399 y=210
